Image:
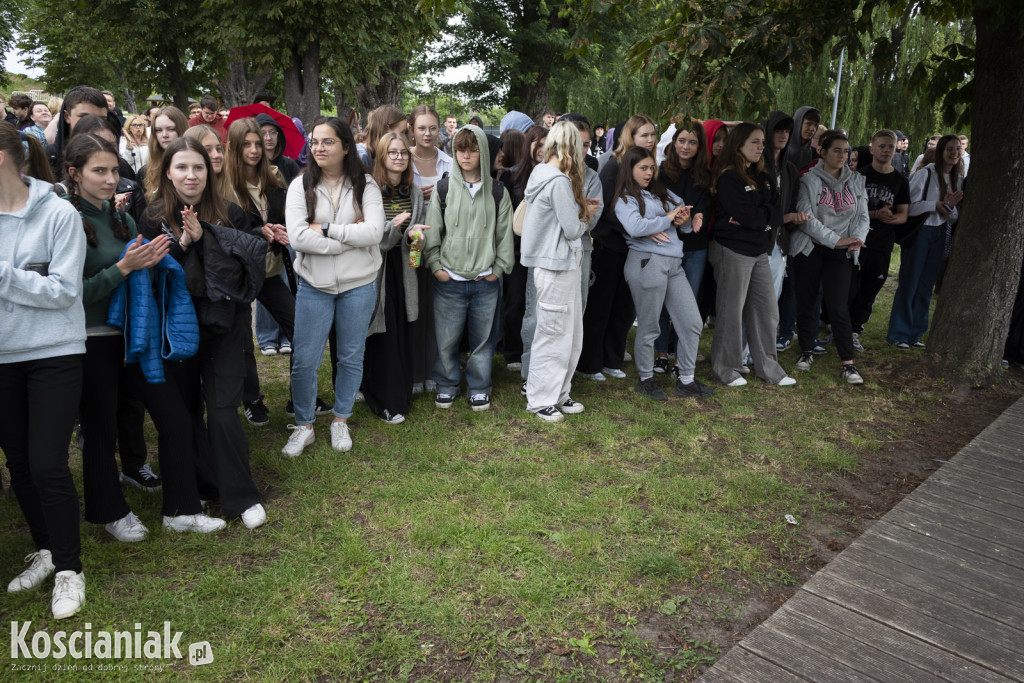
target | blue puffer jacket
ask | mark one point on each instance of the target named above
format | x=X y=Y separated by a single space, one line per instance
x=156 y=327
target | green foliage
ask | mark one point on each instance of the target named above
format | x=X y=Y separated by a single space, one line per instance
x=10 y=15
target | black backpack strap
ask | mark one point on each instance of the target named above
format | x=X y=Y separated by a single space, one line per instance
x=441 y=189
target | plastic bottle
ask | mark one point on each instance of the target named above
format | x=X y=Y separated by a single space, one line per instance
x=415 y=249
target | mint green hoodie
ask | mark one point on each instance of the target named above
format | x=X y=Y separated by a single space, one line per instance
x=475 y=239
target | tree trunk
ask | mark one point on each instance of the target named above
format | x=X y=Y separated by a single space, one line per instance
x=237 y=88
x=302 y=84
x=973 y=313
x=174 y=72
x=345 y=111
x=385 y=91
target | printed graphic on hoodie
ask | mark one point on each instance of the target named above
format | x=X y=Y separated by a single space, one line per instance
x=838 y=201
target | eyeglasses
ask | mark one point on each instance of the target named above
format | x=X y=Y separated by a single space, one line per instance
x=138 y=125
x=398 y=154
x=326 y=142
x=270 y=133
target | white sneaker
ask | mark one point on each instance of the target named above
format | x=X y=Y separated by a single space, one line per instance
x=302 y=436
x=341 y=440
x=285 y=349
x=738 y=382
x=128 y=529
x=269 y=351
x=40 y=566
x=786 y=382
x=359 y=397
x=68 y=594
x=596 y=376
x=254 y=516
x=612 y=372
x=514 y=366
x=626 y=358
x=199 y=522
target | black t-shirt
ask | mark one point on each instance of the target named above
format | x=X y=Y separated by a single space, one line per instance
x=883 y=189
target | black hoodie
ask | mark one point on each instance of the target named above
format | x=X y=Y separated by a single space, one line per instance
x=55 y=151
x=800 y=152
x=288 y=167
x=785 y=174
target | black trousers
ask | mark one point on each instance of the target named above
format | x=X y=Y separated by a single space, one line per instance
x=131 y=436
x=422 y=341
x=280 y=303
x=38 y=401
x=387 y=376
x=832 y=271
x=609 y=313
x=867 y=282
x=513 y=309
x=104 y=373
x=214 y=377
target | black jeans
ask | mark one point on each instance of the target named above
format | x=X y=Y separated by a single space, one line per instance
x=513 y=309
x=387 y=377
x=866 y=284
x=38 y=401
x=609 y=313
x=105 y=371
x=832 y=271
x=280 y=303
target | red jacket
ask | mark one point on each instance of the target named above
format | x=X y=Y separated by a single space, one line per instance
x=218 y=125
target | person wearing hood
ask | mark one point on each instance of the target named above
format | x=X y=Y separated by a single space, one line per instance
x=42 y=343
x=805 y=124
x=468 y=249
x=78 y=102
x=825 y=249
x=860 y=157
x=553 y=233
x=901 y=160
x=274 y=144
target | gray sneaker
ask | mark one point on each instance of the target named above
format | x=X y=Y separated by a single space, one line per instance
x=649 y=388
x=805 y=362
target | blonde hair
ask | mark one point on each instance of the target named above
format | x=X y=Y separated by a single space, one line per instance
x=629 y=131
x=564 y=142
x=128 y=121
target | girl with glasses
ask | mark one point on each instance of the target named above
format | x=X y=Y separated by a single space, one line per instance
x=134 y=145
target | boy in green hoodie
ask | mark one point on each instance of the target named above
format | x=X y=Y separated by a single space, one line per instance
x=468 y=249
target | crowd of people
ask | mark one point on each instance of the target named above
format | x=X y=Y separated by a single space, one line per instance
x=133 y=249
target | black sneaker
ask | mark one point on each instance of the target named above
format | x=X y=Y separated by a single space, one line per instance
x=479 y=402
x=444 y=401
x=143 y=478
x=850 y=374
x=805 y=362
x=322 y=407
x=550 y=414
x=649 y=388
x=256 y=413
x=522 y=389
x=661 y=365
x=693 y=390
x=391 y=418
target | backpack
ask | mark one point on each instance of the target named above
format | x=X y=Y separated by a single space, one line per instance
x=906 y=234
x=441 y=189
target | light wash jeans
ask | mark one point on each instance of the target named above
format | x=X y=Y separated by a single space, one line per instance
x=470 y=305
x=315 y=312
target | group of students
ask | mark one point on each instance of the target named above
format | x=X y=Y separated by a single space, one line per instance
x=402 y=259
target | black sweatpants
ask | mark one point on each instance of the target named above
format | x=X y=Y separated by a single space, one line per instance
x=609 y=313
x=832 y=271
x=867 y=282
x=387 y=380
x=38 y=401
x=280 y=303
x=513 y=309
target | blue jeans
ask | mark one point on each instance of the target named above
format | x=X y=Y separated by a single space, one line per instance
x=472 y=305
x=693 y=267
x=919 y=269
x=315 y=312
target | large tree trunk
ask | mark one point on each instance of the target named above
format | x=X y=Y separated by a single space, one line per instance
x=174 y=72
x=973 y=313
x=237 y=88
x=302 y=84
x=345 y=111
x=369 y=96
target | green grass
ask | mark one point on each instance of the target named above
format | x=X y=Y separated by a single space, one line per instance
x=465 y=545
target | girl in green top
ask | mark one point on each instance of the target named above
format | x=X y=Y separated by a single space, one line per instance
x=91 y=167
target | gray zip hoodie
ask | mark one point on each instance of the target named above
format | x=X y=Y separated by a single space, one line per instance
x=42 y=315
x=838 y=208
x=552 y=224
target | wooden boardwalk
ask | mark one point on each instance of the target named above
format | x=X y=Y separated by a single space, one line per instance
x=933 y=591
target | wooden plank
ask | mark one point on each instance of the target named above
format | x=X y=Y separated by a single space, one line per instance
x=1005 y=491
x=1005 y=457
x=796 y=657
x=717 y=674
x=912 y=588
x=974 y=507
x=968 y=519
x=918 y=623
x=1005 y=442
x=978 y=460
x=980 y=591
x=950 y=536
x=747 y=667
x=936 y=662
x=866 y=660
x=900 y=544
x=960 y=494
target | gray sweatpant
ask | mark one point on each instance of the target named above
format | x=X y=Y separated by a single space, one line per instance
x=656 y=281
x=746 y=298
x=558 y=337
x=530 y=317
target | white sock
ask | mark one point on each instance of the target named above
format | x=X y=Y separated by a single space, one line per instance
x=686 y=379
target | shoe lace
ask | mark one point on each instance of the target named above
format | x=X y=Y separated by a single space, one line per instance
x=33 y=558
x=298 y=434
x=478 y=397
x=62 y=584
x=147 y=472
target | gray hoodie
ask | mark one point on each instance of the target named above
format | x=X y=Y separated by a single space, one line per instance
x=655 y=219
x=42 y=315
x=799 y=153
x=552 y=224
x=838 y=208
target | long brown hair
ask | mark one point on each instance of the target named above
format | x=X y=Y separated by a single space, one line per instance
x=626 y=185
x=381 y=121
x=77 y=153
x=537 y=134
x=698 y=168
x=235 y=166
x=956 y=171
x=200 y=133
x=166 y=206
x=156 y=153
x=628 y=134
x=351 y=167
x=732 y=158
x=423 y=110
x=33 y=163
x=380 y=174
